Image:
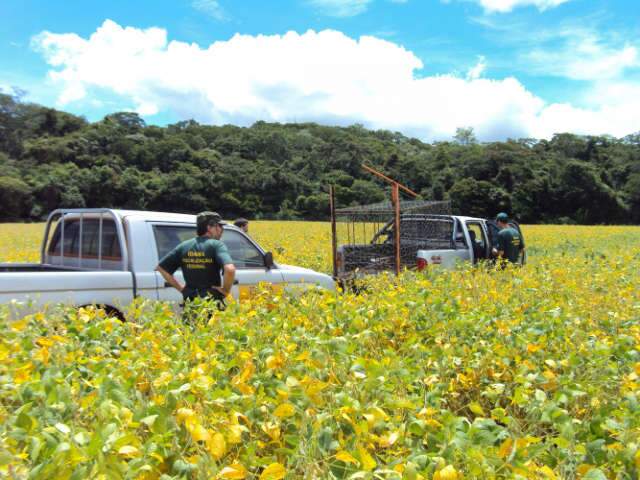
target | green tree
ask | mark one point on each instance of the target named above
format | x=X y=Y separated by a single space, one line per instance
x=465 y=136
x=15 y=199
x=478 y=198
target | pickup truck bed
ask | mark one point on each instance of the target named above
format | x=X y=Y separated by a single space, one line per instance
x=53 y=285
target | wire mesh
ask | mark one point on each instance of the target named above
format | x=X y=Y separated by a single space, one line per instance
x=366 y=234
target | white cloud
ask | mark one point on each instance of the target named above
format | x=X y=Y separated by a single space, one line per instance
x=478 y=69
x=211 y=8
x=584 y=56
x=316 y=76
x=578 y=49
x=504 y=6
x=341 y=8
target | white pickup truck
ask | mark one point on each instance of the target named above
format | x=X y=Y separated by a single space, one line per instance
x=425 y=240
x=108 y=257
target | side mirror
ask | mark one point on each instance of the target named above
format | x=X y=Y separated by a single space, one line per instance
x=268 y=260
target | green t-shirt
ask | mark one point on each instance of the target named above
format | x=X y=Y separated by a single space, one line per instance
x=201 y=260
x=511 y=243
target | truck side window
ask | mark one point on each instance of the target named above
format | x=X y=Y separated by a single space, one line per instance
x=169 y=237
x=243 y=253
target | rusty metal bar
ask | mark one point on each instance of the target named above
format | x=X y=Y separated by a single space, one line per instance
x=395 y=198
x=389 y=180
x=334 y=237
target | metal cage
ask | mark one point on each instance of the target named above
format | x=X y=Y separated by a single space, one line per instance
x=386 y=236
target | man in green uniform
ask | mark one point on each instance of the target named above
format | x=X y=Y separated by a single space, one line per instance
x=510 y=242
x=202 y=259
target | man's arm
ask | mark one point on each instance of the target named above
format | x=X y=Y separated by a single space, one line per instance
x=498 y=251
x=170 y=279
x=228 y=269
x=227 y=280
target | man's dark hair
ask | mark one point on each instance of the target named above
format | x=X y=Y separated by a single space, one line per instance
x=241 y=222
x=206 y=219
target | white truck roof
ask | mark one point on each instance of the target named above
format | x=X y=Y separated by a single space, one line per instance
x=157 y=216
x=144 y=215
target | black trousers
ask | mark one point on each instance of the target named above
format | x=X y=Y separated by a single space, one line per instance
x=205 y=293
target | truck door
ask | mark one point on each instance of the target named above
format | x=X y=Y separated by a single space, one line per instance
x=478 y=240
x=250 y=265
x=246 y=256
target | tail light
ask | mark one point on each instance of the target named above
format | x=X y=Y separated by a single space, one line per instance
x=421 y=264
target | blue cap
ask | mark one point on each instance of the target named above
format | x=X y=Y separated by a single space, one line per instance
x=502 y=217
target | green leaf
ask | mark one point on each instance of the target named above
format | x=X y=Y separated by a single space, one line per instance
x=540 y=396
x=62 y=428
x=561 y=442
x=149 y=421
x=25 y=421
x=5 y=458
x=34 y=451
x=595 y=474
x=183 y=388
x=81 y=438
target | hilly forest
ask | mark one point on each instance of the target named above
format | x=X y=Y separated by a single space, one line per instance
x=51 y=159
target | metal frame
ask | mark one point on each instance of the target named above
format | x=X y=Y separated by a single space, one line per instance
x=63 y=212
x=396 y=187
x=334 y=237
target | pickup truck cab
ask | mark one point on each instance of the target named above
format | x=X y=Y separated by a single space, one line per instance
x=425 y=240
x=108 y=257
x=472 y=240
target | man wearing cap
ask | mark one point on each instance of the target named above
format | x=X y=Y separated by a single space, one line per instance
x=510 y=242
x=201 y=259
x=242 y=224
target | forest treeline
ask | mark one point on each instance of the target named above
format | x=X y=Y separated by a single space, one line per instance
x=51 y=159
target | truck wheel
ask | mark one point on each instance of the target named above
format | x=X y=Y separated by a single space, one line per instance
x=109 y=310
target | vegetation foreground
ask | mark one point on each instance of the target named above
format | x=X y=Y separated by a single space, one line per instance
x=530 y=373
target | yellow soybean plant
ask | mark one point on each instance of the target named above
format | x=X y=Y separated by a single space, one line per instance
x=524 y=373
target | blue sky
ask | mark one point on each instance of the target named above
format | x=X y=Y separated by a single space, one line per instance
x=508 y=68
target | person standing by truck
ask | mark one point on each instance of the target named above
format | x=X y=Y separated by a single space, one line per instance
x=510 y=242
x=242 y=224
x=202 y=259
